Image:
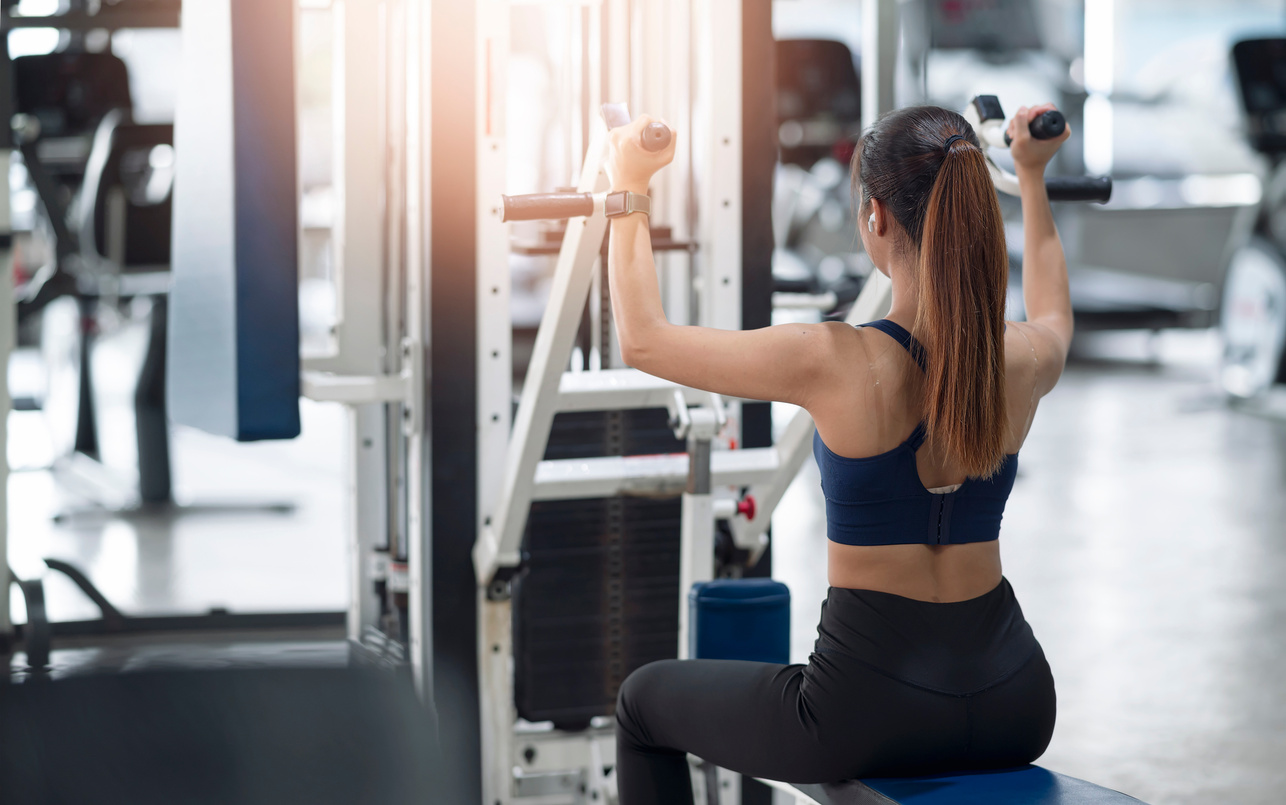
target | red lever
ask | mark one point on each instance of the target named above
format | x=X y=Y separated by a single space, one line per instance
x=746 y=506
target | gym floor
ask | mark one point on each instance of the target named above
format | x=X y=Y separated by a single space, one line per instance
x=1146 y=539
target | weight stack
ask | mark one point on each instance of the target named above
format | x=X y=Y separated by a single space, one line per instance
x=598 y=595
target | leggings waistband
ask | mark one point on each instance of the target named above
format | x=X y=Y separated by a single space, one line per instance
x=957 y=648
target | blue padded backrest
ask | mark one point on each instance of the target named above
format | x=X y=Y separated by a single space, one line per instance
x=739 y=619
x=233 y=358
x=1029 y=785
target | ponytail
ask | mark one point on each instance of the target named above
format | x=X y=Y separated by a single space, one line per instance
x=963 y=273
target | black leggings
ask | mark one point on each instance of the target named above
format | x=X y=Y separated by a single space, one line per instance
x=894 y=687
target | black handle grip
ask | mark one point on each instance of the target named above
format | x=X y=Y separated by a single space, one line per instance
x=1047 y=126
x=545 y=206
x=1079 y=188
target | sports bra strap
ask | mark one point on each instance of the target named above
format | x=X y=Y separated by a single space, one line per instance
x=916 y=438
x=899 y=334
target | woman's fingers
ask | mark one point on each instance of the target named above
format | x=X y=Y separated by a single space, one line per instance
x=1018 y=125
x=1036 y=111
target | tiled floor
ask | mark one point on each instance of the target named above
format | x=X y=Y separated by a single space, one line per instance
x=219 y=555
x=1146 y=539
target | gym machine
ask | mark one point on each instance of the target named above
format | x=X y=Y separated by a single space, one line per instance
x=1253 y=310
x=72 y=122
x=118 y=246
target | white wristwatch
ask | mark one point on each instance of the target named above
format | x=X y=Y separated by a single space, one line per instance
x=623 y=202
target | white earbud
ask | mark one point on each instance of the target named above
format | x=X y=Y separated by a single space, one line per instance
x=870 y=223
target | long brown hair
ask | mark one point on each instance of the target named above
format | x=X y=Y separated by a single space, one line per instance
x=940 y=194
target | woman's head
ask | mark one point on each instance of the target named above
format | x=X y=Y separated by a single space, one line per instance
x=921 y=172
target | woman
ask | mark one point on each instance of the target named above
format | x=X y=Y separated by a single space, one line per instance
x=924 y=662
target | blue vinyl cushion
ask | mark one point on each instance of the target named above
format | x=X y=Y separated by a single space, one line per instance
x=740 y=619
x=1029 y=785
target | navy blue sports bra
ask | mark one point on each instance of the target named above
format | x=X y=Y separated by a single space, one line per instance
x=879 y=500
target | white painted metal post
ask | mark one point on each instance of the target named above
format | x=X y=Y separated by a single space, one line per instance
x=496 y=710
x=496 y=696
x=367 y=517
x=494 y=328
x=357 y=232
x=667 y=93
x=717 y=138
x=879 y=58
x=696 y=557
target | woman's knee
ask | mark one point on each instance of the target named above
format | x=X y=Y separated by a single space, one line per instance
x=642 y=684
x=640 y=687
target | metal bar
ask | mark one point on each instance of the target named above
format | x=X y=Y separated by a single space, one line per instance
x=113 y=620
x=353 y=390
x=496 y=703
x=419 y=448
x=109 y=20
x=718 y=130
x=36 y=632
x=366 y=137
x=367 y=475
x=879 y=58
x=494 y=372
x=605 y=476
x=213 y=621
x=619 y=389
x=498 y=540
x=492 y=291
x=421 y=102
x=8 y=333
x=696 y=553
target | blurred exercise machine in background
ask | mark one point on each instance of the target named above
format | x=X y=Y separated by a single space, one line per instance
x=1253 y=310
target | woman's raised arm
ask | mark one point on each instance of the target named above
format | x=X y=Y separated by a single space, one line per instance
x=1045 y=292
x=787 y=362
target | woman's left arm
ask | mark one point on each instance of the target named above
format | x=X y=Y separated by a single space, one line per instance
x=788 y=362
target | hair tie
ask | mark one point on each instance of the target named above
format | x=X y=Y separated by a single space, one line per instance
x=947 y=145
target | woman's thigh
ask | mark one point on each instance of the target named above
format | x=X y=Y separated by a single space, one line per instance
x=755 y=718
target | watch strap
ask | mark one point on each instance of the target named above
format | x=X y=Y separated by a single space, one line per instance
x=623 y=202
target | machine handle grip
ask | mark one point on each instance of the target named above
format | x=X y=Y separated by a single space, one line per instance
x=1047 y=126
x=1079 y=188
x=656 y=135
x=545 y=206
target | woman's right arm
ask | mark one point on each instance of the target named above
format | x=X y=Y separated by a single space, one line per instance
x=1045 y=294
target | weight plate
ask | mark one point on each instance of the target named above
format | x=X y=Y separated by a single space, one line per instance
x=1253 y=319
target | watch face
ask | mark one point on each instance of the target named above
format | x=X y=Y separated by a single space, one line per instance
x=614 y=204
